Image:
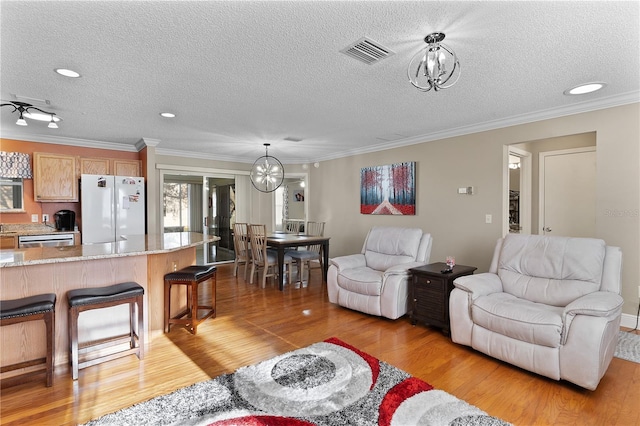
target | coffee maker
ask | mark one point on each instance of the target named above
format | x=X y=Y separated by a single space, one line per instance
x=65 y=220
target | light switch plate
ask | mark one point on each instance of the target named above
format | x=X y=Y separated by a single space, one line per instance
x=488 y=218
x=34 y=218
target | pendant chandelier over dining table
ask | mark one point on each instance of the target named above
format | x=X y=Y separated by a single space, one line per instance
x=267 y=173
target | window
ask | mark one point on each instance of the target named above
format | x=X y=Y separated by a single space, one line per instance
x=176 y=207
x=182 y=203
x=11 y=198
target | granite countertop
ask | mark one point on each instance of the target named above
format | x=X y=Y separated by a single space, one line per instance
x=132 y=246
x=19 y=229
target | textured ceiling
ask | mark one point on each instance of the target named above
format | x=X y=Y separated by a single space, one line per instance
x=241 y=73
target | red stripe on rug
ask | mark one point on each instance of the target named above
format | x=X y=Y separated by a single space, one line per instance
x=373 y=362
x=397 y=395
x=261 y=421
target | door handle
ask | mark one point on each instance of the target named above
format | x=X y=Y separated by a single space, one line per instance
x=546 y=229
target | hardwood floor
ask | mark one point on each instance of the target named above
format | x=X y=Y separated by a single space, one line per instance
x=254 y=324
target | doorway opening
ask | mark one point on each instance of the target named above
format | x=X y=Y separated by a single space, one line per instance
x=221 y=215
x=518 y=191
x=198 y=201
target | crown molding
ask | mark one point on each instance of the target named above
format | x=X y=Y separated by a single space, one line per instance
x=58 y=140
x=532 y=117
x=218 y=157
x=146 y=142
x=201 y=155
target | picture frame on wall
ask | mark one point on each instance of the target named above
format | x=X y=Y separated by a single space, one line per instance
x=389 y=189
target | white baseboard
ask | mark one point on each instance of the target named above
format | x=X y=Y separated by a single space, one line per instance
x=628 y=321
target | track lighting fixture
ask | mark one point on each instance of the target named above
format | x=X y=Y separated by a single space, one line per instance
x=29 y=111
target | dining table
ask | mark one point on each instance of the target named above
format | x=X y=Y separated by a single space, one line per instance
x=281 y=241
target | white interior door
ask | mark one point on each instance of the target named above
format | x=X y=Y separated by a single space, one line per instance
x=567 y=192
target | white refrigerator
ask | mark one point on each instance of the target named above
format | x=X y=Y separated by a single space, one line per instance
x=112 y=207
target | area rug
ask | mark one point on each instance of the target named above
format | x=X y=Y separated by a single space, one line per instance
x=628 y=347
x=328 y=383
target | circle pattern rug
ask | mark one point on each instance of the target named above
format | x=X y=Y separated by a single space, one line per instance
x=327 y=383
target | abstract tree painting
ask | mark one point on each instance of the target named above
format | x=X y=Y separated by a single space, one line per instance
x=388 y=189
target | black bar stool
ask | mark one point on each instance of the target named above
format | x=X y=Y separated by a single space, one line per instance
x=191 y=276
x=86 y=299
x=33 y=308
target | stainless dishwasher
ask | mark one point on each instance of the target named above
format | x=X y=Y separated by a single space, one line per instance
x=49 y=240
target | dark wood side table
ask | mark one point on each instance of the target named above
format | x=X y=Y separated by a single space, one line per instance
x=429 y=293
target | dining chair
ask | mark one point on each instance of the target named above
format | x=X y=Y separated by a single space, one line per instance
x=264 y=259
x=292 y=226
x=311 y=254
x=241 y=247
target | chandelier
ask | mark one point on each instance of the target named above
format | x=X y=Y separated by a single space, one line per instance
x=435 y=66
x=267 y=173
x=28 y=111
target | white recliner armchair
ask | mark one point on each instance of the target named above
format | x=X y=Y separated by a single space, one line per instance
x=376 y=281
x=550 y=305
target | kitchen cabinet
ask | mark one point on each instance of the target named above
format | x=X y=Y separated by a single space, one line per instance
x=94 y=166
x=7 y=242
x=110 y=166
x=55 y=177
x=126 y=167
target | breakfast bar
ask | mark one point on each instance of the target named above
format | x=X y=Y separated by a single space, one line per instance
x=143 y=259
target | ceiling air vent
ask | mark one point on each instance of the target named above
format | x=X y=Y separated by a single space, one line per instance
x=367 y=51
x=33 y=101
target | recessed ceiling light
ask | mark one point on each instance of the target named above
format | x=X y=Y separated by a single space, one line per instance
x=585 y=88
x=67 y=73
x=167 y=114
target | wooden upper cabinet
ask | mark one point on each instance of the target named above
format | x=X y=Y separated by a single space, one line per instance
x=94 y=166
x=110 y=166
x=126 y=167
x=55 y=177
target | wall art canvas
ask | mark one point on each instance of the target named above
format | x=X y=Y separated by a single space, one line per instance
x=388 y=189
